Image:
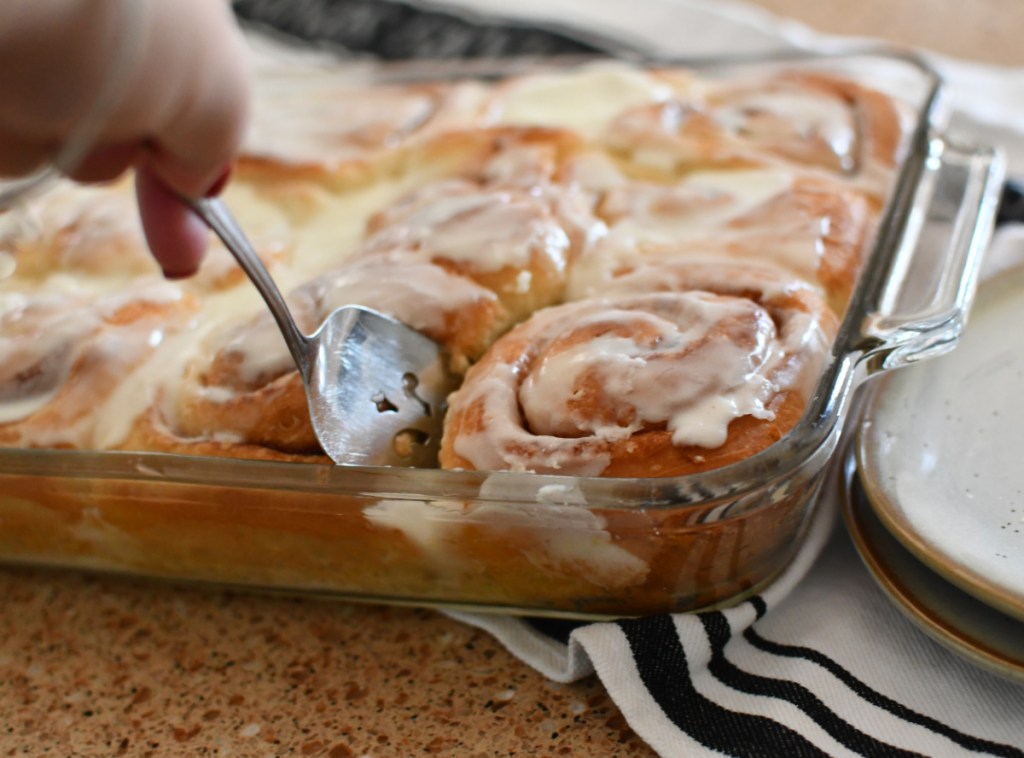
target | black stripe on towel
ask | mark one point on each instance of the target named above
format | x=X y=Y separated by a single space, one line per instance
x=557 y=629
x=400 y=31
x=871 y=696
x=661 y=663
x=719 y=633
x=1011 y=204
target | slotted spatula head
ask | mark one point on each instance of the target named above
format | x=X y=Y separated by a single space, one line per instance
x=376 y=390
x=376 y=387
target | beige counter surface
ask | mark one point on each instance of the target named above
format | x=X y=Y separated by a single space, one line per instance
x=101 y=666
x=986 y=30
x=104 y=666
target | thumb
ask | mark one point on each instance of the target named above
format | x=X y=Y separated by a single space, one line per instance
x=177 y=238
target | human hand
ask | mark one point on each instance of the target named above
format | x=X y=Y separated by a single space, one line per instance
x=178 y=118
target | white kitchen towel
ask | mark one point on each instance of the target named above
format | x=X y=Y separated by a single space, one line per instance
x=820 y=663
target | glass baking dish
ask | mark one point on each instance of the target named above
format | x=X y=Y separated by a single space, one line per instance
x=524 y=543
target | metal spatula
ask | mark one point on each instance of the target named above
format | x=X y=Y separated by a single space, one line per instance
x=376 y=387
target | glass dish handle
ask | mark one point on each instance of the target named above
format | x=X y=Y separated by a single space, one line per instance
x=919 y=309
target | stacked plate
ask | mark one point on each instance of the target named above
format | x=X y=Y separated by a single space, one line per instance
x=934 y=493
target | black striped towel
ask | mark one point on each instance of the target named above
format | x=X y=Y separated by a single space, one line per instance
x=820 y=663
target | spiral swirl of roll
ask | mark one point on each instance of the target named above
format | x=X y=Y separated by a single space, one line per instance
x=711 y=369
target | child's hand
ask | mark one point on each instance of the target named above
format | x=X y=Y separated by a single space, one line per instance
x=179 y=119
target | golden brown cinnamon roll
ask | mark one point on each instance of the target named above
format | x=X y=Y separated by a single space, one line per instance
x=515 y=243
x=710 y=370
x=64 y=355
x=231 y=381
x=242 y=385
x=798 y=118
x=506 y=224
x=808 y=226
x=75 y=230
x=335 y=128
x=461 y=259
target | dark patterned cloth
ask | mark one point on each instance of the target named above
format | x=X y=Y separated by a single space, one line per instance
x=1011 y=204
x=396 y=31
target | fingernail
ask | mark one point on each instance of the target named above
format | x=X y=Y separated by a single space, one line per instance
x=219 y=184
x=176 y=275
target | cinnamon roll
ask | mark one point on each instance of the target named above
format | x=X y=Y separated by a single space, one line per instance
x=509 y=226
x=238 y=385
x=795 y=118
x=241 y=384
x=710 y=370
x=64 y=354
x=807 y=226
x=515 y=243
x=335 y=128
x=84 y=231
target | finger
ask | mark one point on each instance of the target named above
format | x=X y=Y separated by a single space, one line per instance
x=176 y=237
x=55 y=56
x=197 y=126
x=20 y=156
x=106 y=163
x=186 y=90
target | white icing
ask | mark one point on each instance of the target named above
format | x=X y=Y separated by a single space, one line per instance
x=561 y=494
x=704 y=200
x=583 y=100
x=415 y=292
x=743 y=215
x=262 y=354
x=696 y=389
x=567 y=540
x=309 y=115
x=797 y=115
x=560 y=534
x=427 y=524
x=689 y=362
x=510 y=212
x=8 y=265
x=595 y=172
x=485 y=229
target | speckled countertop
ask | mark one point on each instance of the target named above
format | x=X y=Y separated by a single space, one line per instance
x=104 y=666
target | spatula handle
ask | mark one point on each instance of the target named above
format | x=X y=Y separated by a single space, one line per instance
x=215 y=214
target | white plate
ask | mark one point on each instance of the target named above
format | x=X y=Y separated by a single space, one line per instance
x=941 y=452
x=961 y=622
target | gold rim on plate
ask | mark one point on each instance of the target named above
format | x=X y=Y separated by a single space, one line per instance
x=966 y=425
x=954 y=618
